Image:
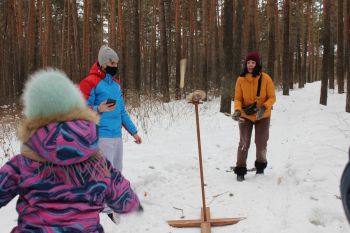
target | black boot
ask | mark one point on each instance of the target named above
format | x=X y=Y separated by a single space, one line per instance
x=260 y=166
x=110 y=215
x=114 y=217
x=240 y=171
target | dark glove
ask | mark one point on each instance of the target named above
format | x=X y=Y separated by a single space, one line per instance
x=140 y=209
x=236 y=115
x=260 y=113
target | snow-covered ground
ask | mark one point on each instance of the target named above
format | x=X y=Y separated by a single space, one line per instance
x=299 y=192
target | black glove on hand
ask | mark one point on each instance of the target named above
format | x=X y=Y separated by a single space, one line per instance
x=140 y=208
x=236 y=115
x=260 y=113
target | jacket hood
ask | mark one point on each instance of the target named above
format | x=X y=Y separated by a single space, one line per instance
x=65 y=143
x=29 y=125
x=95 y=70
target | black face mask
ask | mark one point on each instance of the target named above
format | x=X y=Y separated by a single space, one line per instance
x=111 y=70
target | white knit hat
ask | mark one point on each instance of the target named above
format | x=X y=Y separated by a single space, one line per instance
x=107 y=54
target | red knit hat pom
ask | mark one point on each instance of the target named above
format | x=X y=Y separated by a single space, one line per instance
x=253 y=56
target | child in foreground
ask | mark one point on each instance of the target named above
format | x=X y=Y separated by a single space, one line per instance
x=62 y=179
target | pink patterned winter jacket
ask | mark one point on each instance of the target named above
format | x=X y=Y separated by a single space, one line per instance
x=63 y=182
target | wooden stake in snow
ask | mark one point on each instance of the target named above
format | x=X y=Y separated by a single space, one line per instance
x=205 y=222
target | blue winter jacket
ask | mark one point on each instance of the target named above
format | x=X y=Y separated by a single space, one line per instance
x=98 y=87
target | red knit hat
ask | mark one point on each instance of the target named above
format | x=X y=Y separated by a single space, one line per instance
x=253 y=56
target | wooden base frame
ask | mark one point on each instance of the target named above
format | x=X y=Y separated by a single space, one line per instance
x=204 y=224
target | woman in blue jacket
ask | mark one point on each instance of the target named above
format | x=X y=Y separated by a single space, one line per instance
x=103 y=94
x=98 y=87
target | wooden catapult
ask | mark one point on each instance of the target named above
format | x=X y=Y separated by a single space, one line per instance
x=206 y=221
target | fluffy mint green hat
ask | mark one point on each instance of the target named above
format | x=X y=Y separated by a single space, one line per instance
x=50 y=92
x=50 y=96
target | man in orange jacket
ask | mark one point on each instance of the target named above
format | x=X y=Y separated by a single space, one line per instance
x=254 y=97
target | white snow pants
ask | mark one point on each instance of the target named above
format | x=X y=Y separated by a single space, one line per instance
x=112 y=149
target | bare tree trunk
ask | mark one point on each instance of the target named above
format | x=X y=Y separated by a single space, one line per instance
x=47 y=59
x=66 y=59
x=112 y=38
x=57 y=32
x=132 y=55
x=279 y=57
x=298 y=41
x=12 y=52
x=286 y=53
x=2 y=59
x=252 y=26
x=203 y=73
x=318 y=58
x=221 y=57
x=227 y=83
x=19 y=19
x=306 y=38
x=31 y=37
x=178 y=50
x=217 y=49
x=143 y=46
x=153 y=62
x=169 y=29
x=332 y=39
x=122 y=36
x=271 y=60
x=312 y=44
x=291 y=46
x=164 y=74
x=86 y=35
x=196 y=48
x=101 y=32
x=257 y=26
x=95 y=29
x=326 y=53
x=237 y=45
x=41 y=34
x=76 y=70
x=346 y=34
x=191 y=50
x=340 y=48
x=4 y=48
x=347 y=104
x=213 y=63
x=20 y=45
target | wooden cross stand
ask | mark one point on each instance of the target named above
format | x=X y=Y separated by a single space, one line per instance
x=205 y=222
